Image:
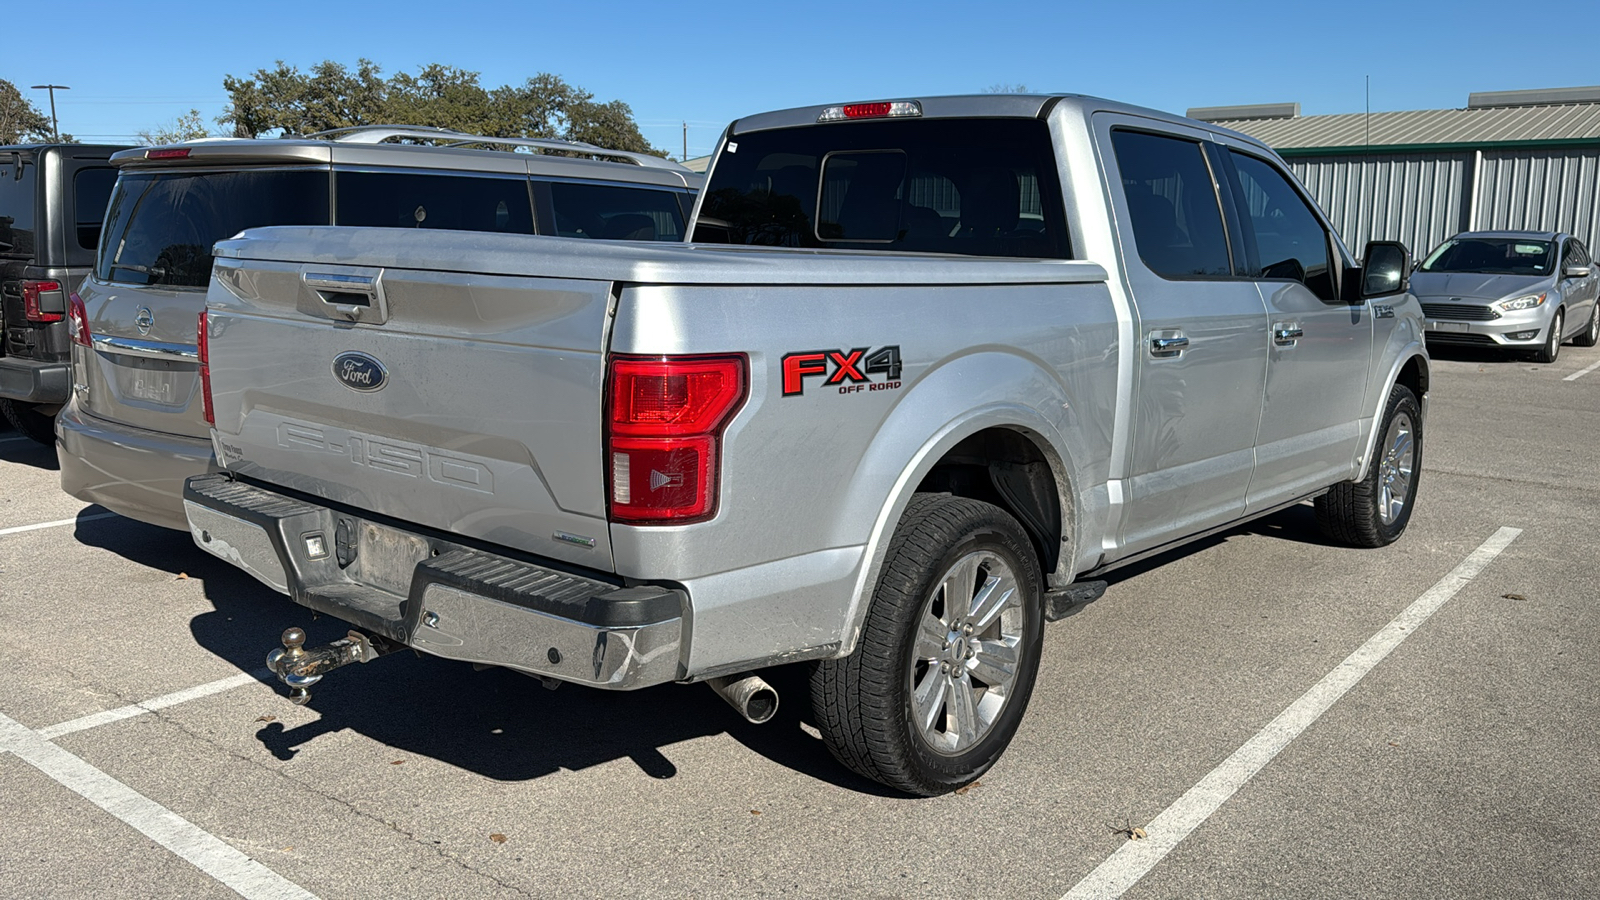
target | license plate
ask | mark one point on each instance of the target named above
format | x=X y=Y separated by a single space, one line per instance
x=150 y=385
x=1449 y=326
x=389 y=557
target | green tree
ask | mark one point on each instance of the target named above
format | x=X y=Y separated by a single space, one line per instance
x=284 y=99
x=20 y=120
x=188 y=127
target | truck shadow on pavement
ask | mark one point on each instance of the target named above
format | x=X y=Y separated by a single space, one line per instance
x=495 y=722
x=19 y=448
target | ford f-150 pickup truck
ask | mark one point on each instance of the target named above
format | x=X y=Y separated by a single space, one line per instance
x=924 y=365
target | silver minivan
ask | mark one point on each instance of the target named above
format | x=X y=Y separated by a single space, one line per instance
x=135 y=426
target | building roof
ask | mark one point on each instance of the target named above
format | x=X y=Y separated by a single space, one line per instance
x=1550 y=123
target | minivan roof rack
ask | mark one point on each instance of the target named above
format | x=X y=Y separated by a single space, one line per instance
x=377 y=134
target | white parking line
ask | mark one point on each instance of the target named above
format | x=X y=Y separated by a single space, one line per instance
x=56 y=524
x=95 y=720
x=1134 y=859
x=1582 y=372
x=199 y=847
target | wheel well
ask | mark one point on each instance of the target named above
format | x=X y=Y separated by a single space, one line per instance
x=1414 y=375
x=1005 y=468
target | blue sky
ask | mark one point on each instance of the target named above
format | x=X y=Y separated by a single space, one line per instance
x=133 y=67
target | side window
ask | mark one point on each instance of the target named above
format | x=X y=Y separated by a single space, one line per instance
x=615 y=213
x=1583 y=253
x=1172 y=205
x=91 y=188
x=1283 y=238
x=414 y=200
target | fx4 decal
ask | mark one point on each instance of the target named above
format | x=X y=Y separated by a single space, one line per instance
x=850 y=370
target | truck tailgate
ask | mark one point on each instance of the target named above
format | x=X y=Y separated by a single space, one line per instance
x=467 y=403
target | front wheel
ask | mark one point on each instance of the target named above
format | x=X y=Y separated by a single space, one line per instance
x=947 y=657
x=31 y=419
x=1552 y=343
x=1374 y=511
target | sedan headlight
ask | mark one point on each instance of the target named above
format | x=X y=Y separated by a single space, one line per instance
x=1528 y=302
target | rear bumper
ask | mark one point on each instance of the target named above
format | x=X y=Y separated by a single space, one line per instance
x=462 y=603
x=131 y=471
x=31 y=381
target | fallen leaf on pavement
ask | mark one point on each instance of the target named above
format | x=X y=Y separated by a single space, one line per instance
x=498 y=838
x=967 y=787
x=266 y=718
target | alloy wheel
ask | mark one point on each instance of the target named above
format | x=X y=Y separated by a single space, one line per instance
x=1395 y=470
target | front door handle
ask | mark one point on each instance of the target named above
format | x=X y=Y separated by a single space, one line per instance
x=1286 y=334
x=1167 y=346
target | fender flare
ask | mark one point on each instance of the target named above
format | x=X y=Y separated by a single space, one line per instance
x=1414 y=349
x=1026 y=420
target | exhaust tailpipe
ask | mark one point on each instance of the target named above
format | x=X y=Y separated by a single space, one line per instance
x=750 y=694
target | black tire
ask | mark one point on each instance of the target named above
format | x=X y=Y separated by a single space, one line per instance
x=31 y=419
x=1591 y=335
x=1353 y=512
x=1552 y=341
x=863 y=704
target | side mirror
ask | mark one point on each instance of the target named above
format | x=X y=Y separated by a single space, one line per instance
x=1385 y=269
x=1576 y=271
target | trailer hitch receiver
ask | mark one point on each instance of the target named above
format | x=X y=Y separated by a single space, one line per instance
x=300 y=668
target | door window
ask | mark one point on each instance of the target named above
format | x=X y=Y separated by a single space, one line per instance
x=1283 y=239
x=415 y=200
x=1172 y=205
x=615 y=213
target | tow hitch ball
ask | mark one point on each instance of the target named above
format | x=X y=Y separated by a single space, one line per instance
x=300 y=668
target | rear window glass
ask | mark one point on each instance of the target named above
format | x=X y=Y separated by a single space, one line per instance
x=411 y=200
x=160 y=227
x=980 y=187
x=91 y=188
x=16 y=205
x=615 y=213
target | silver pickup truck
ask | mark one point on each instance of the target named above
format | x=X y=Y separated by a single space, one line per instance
x=925 y=365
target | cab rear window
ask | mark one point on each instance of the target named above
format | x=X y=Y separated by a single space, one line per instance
x=160 y=227
x=982 y=187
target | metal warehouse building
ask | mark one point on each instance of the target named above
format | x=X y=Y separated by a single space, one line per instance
x=1511 y=159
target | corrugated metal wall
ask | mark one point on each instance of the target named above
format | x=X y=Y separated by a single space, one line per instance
x=1546 y=190
x=1418 y=199
x=1421 y=199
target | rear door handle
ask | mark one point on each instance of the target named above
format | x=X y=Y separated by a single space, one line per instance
x=1287 y=334
x=1165 y=346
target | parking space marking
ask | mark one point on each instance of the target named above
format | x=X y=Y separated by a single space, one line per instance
x=1134 y=859
x=202 y=849
x=1582 y=372
x=95 y=720
x=56 y=524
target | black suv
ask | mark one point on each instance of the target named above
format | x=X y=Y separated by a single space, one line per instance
x=52 y=200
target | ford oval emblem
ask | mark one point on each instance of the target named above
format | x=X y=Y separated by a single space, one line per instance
x=359 y=372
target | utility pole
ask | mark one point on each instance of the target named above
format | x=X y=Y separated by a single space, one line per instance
x=685 y=141
x=55 y=127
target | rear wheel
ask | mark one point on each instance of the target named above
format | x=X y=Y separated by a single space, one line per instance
x=1591 y=335
x=1552 y=343
x=33 y=420
x=946 y=661
x=1374 y=511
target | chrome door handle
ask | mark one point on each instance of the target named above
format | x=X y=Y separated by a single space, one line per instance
x=1167 y=346
x=1286 y=334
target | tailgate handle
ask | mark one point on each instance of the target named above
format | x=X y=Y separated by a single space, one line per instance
x=351 y=296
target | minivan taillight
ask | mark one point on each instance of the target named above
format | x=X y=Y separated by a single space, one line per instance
x=665 y=418
x=42 y=301
x=201 y=344
x=78 y=322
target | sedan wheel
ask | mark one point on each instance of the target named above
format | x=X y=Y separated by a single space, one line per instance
x=1552 y=343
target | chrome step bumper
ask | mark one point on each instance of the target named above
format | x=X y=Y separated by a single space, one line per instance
x=441 y=597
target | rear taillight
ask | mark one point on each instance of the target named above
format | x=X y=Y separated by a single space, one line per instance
x=666 y=415
x=201 y=344
x=78 y=322
x=43 y=301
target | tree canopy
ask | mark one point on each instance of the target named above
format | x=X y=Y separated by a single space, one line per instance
x=330 y=95
x=20 y=120
x=188 y=127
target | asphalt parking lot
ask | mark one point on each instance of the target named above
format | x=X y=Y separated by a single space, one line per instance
x=1279 y=717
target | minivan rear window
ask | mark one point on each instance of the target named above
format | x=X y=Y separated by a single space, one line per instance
x=17 y=198
x=160 y=227
x=457 y=202
x=982 y=187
